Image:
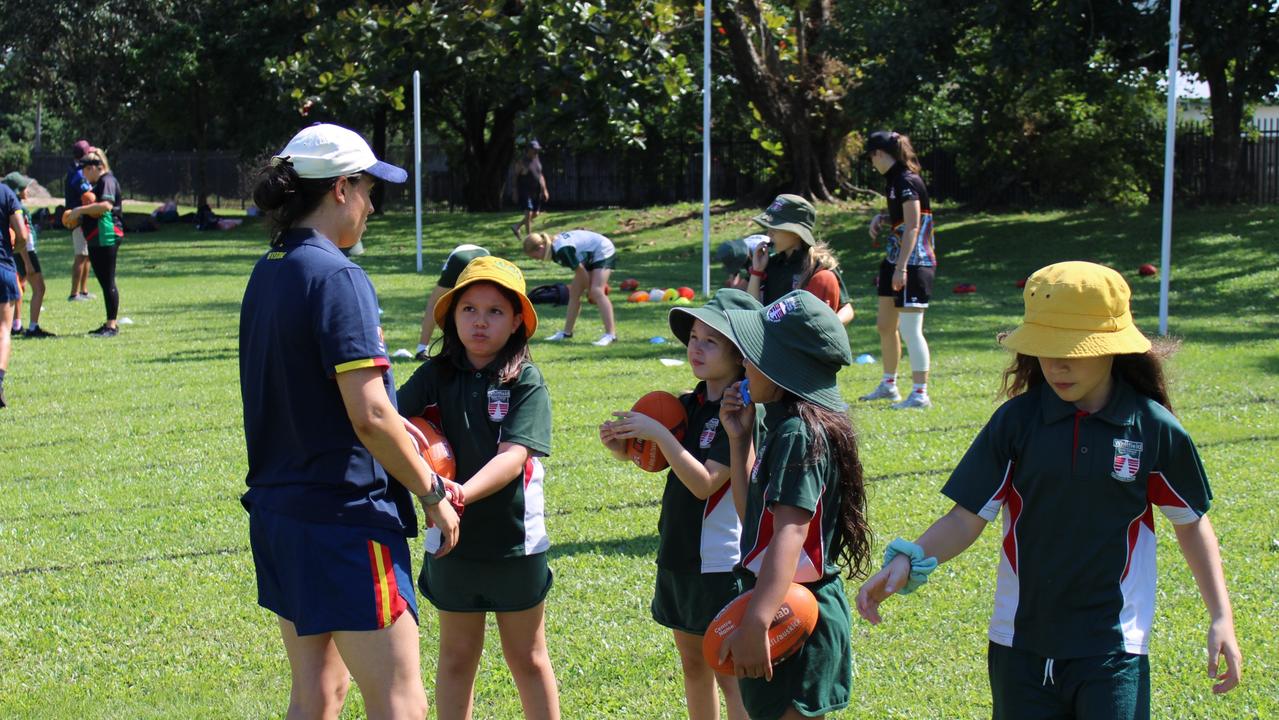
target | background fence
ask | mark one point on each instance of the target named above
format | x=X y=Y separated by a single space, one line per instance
x=579 y=177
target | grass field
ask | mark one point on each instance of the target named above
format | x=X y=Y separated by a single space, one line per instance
x=126 y=583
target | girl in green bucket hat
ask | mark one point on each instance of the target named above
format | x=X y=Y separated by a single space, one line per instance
x=794 y=259
x=801 y=499
x=1078 y=457
x=699 y=532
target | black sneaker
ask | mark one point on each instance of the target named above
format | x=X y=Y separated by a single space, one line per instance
x=2 y=402
x=421 y=356
x=38 y=332
x=72 y=297
x=105 y=331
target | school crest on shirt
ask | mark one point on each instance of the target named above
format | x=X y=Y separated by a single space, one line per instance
x=499 y=403
x=708 y=433
x=778 y=310
x=1127 y=460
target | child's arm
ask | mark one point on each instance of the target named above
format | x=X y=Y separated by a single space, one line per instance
x=1199 y=546
x=738 y=421
x=759 y=263
x=701 y=480
x=497 y=473
x=749 y=644
x=950 y=535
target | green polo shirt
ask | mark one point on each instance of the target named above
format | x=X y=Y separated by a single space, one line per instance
x=695 y=535
x=784 y=475
x=784 y=274
x=1077 y=561
x=476 y=412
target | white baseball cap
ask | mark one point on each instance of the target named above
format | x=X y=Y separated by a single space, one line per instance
x=328 y=151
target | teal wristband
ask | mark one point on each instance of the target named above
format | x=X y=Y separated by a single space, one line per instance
x=920 y=566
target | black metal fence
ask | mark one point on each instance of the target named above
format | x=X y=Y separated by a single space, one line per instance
x=578 y=177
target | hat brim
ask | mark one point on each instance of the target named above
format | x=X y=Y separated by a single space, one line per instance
x=681 y=321
x=1050 y=342
x=796 y=228
x=799 y=374
x=388 y=172
x=445 y=303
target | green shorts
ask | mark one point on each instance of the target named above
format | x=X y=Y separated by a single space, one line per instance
x=1027 y=686
x=457 y=261
x=819 y=678
x=512 y=584
x=608 y=263
x=689 y=601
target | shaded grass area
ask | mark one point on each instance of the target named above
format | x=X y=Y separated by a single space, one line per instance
x=126 y=585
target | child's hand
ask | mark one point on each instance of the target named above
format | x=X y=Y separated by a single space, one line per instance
x=636 y=425
x=610 y=440
x=1222 y=646
x=875 y=224
x=880 y=586
x=737 y=419
x=748 y=646
x=759 y=258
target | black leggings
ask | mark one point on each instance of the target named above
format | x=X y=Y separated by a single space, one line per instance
x=102 y=260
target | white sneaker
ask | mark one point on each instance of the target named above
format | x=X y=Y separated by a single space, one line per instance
x=914 y=400
x=559 y=336
x=605 y=340
x=883 y=391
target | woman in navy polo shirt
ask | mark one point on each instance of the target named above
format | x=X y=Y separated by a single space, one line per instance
x=328 y=521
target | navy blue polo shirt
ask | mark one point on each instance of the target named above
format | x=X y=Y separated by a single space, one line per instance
x=75 y=185
x=1078 y=495
x=309 y=314
x=9 y=206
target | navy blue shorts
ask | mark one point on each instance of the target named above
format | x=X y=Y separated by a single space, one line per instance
x=531 y=203
x=326 y=578
x=9 y=291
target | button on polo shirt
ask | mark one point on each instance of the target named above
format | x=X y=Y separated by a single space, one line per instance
x=308 y=314
x=1077 y=560
x=476 y=412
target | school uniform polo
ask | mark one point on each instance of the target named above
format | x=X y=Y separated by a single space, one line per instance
x=583 y=247
x=476 y=412
x=786 y=273
x=1078 y=493
x=9 y=206
x=905 y=186
x=309 y=314
x=818 y=679
x=457 y=261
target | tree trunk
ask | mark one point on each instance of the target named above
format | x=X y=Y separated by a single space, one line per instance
x=488 y=150
x=201 y=179
x=804 y=111
x=1227 y=120
x=379 y=149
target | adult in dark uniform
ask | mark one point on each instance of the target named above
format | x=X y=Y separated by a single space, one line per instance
x=529 y=191
x=76 y=186
x=9 y=293
x=332 y=471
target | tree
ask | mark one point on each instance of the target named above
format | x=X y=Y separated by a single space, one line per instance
x=782 y=57
x=1233 y=45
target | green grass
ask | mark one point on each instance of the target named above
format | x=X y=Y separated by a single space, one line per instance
x=127 y=587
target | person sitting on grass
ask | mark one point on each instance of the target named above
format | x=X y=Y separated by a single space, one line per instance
x=591 y=257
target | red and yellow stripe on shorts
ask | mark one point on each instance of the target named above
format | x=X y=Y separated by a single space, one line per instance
x=386 y=591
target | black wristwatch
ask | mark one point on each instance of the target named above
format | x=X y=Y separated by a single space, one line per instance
x=436 y=494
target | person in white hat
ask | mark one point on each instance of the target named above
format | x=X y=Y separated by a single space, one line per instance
x=332 y=471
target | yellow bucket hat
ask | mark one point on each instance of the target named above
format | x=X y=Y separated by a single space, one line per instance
x=1076 y=310
x=502 y=273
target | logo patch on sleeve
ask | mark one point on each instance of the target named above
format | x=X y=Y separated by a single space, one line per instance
x=1127 y=460
x=499 y=403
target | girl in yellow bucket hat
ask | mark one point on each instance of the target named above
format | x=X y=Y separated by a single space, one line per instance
x=1078 y=458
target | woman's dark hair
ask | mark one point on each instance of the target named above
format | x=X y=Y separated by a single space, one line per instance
x=510 y=359
x=1143 y=371
x=832 y=433
x=285 y=197
x=905 y=154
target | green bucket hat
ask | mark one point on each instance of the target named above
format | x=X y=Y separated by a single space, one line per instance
x=798 y=342
x=17 y=181
x=712 y=313
x=790 y=212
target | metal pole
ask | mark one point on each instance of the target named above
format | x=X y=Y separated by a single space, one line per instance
x=706 y=148
x=1170 y=138
x=417 y=161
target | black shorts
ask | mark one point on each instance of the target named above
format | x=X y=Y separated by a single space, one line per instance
x=22 y=266
x=919 y=285
x=531 y=203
